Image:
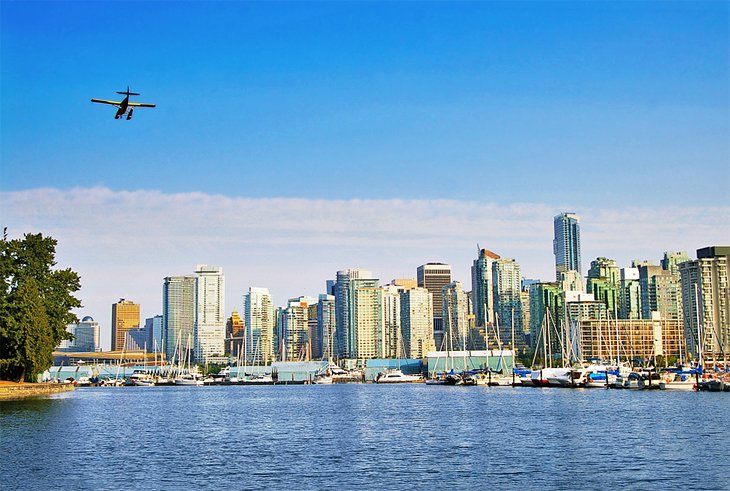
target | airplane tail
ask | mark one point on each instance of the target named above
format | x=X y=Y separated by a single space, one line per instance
x=128 y=92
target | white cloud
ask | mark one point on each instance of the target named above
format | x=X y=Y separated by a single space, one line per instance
x=123 y=243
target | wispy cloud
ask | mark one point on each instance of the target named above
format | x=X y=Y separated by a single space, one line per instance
x=123 y=243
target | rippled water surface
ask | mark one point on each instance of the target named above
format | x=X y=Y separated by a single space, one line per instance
x=365 y=436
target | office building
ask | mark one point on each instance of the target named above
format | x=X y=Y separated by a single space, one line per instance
x=210 y=320
x=455 y=318
x=705 y=285
x=153 y=326
x=326 y=322
x=482 y=288
x=344 y=331
x=259 y=322
x=86 y=337
x=235 y=335
x=125 y=316
x=417 y=322
x=178 y=316
x=630 y=294
x=566 y=244
x=433 y=277
x=507 y=281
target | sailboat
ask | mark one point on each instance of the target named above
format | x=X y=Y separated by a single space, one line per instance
x=188 y=377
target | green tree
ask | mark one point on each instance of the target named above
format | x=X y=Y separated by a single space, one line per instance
x=35 y=305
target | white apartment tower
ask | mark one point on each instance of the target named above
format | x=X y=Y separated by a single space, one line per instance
x=456 y=317
x=259 y=322
x=210 y=319
x=416 y=307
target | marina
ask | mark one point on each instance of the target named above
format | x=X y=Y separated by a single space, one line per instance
x=336 y=437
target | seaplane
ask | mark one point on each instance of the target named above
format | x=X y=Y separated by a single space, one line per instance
x=125 y=106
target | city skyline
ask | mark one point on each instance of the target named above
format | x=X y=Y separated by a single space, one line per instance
x=291 y=141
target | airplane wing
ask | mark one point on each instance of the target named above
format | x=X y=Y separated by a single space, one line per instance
x=113 y=103
x=140 y=104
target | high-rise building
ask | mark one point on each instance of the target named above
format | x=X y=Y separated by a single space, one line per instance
x=705 y=284
x=405 y=283
x=210 y=317
x=295 y=328
x=344 y=335
x=456 y=317
x=433 y=277
x=86 y=336
x=326 y=322
x=672 y=260
x=260 y=321
x=153 y=326
x=482 y=288
x=566 y=244
x=366 y=320
x=392 y=339
x=630 y=294
x=508 y=302
x=659 y=293
x=546 y=312
x=125 y=316
x=178 y=315
x=235 y=335
x=417 y=322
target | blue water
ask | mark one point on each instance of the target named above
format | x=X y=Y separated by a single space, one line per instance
x=365 y=436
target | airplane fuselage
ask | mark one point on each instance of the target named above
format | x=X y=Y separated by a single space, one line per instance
x=122 y=108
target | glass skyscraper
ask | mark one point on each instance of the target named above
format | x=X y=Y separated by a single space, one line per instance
x=566 y=245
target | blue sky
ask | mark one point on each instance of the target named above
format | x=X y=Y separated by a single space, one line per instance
x=489 y=101
x=291 y=140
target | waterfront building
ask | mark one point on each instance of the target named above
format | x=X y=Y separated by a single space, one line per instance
x=178 y=315
x=392 y=339
x=366 y=319
x=86 y=337
x=546 y=311
x=313 y=334
x=417 y=322
x=125 y=316
x=153 y=326
x=326 y=322
x=404 y=283
x=631 y=339
x=259 y=323
x=482 y=287
x=210 y=317
x=507 y=281
x=235 y=335
x=566 y=244
x=571 y=281
x=579 y=306
x=455 y=317
x=604 y=279
x=294 y=343
x=137 y=339
x=630 y=294
x=433 y=277
x=705 y=284
x=671 y=261
x=525 y=299
x=659 y=292
x=344 y=348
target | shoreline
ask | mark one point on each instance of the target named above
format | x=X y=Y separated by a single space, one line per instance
x=22 y=390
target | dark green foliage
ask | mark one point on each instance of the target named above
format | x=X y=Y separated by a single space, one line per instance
x=35 y=305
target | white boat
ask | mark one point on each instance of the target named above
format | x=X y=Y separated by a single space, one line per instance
x=557 y=377
x=678 y=381
x=266 y=379
x=396 y=377
x=188 y=379
x=328 y=375
x=142 y=378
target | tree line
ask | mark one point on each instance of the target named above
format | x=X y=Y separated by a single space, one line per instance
x=35 y=306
